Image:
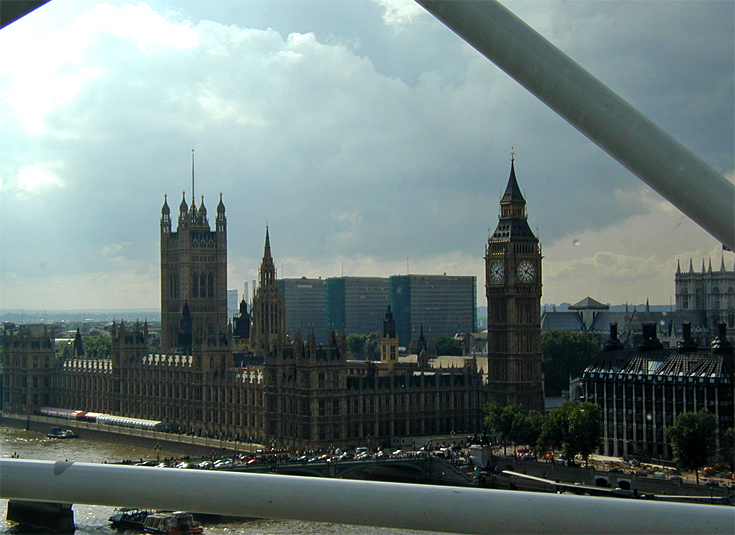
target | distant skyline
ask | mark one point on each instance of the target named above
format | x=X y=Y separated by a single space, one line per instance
x=366 y=135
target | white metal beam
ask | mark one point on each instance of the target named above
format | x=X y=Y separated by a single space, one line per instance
x=587 y=104
x=397 y=505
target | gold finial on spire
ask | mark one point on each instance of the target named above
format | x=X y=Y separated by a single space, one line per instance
x=512 y=154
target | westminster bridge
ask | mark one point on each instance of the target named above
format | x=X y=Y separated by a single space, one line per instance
x=414 y=469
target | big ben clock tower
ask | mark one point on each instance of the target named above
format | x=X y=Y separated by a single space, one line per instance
x=513 y=289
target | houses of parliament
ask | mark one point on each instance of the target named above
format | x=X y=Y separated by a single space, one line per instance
x=247 y=379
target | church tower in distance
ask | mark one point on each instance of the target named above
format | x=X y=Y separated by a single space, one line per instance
x=513 y=289
x=193 y=277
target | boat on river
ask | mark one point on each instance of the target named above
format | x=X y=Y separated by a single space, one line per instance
x=128 y=518
x=57 y=432
x=177 y=523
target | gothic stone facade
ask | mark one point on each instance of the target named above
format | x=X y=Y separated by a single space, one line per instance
x=258 y=384
x=513 y=288
x=709 y=293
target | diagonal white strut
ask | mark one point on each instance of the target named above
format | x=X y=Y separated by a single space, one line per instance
x=587 y=104
x=367 y=503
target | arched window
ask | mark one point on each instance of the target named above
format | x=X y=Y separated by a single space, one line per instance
x=210 y=285
x=730 y=298
x=203 y=285
x=195 y=285
x=684 y=299
x=716 y=298
x=698 y=299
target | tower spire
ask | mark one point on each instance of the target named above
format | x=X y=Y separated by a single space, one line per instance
x=193 y=193
x=267 y=251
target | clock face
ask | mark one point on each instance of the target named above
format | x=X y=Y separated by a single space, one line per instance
x=526 y=271
x=496 y=272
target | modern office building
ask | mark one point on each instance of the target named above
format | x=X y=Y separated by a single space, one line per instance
x=438 y=305
x=305 y=302
x=356 y=305
x=233 y=303
x=642 y=391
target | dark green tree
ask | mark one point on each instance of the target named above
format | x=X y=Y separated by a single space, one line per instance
x=98 y=346
x=446 y=345
x=513 y=424
x=693 y=438
x=372 y=344
x=527 y=428
x=565 y=354
x=356 y=343
x=727 y=446
x=499 y=421
x=364 y=345
x=573 y=428
x=64 y=350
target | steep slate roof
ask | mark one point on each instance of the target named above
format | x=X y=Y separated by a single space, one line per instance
x=664 y=362
x=675 y=319
x=512 y=191
x=588 y=303
x=603 y=319
x=561 y=321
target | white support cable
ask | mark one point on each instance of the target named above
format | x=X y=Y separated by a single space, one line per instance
x=367 y=503
x=587 y=104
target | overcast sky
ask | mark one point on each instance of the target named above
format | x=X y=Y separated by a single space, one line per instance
x=367 y=135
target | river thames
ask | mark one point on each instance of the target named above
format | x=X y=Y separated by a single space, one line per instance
x=93 y=520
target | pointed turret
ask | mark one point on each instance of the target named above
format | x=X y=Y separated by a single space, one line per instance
x=165 y=216
x=389 y=324
x=78 y=349
x=678 y=267
x=513 y=217
x=202 y=209
x=183 y=207
x=722 y=264
x=268 y=316
x=709 y=266
x=267 y=267
x=193 y=212
x=221 y=219
x=691 y=266
x=512 y=191
x=183 y=212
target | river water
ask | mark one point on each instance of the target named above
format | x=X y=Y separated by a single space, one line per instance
x=93 y=520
